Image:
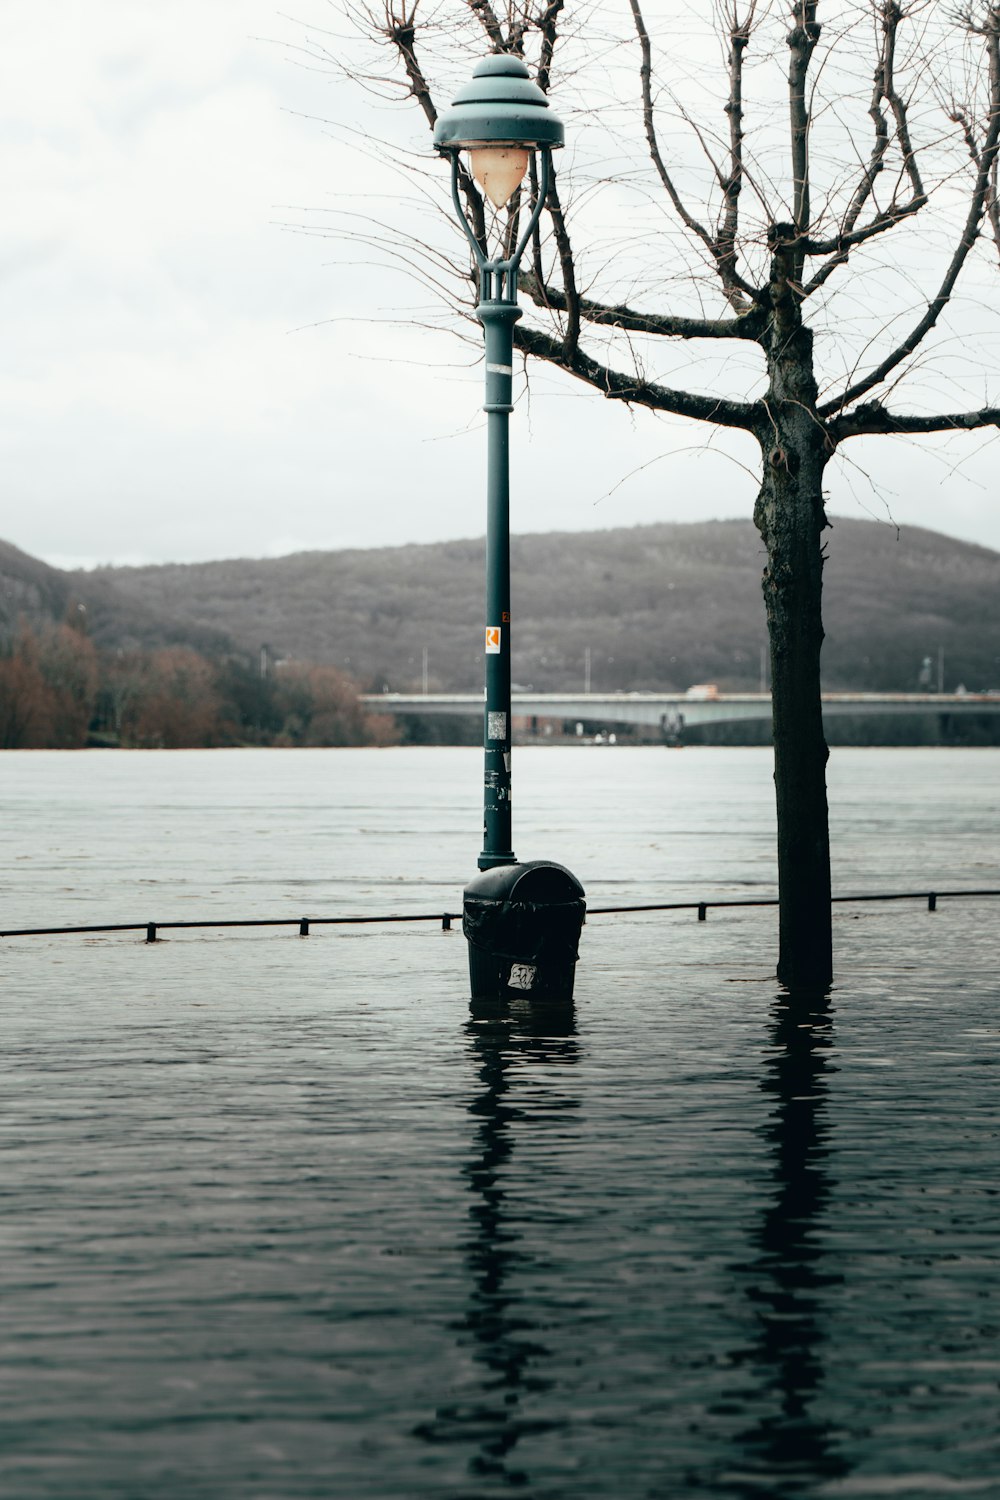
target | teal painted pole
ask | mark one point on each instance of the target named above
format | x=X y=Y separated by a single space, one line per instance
x=498 y=319
x=498 y=312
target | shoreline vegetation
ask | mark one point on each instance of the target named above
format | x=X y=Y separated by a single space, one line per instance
x=59 y=692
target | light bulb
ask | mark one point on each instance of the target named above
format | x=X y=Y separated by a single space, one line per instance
x=499 y=170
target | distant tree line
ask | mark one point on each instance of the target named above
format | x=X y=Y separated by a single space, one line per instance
x=58 y=691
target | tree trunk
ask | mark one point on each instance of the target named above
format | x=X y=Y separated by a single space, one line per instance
x=790 y=517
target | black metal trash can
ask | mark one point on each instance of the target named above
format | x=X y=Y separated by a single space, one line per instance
x=523 y=926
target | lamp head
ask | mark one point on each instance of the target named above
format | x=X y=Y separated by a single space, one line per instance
x=499 y=118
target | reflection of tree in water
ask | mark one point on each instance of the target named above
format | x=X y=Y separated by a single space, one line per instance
x=788 y=1446
x=505 y=1039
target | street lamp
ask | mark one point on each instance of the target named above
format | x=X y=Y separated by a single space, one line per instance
x=522 y=920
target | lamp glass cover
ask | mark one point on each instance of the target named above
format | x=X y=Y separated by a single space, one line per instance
x=499 y=170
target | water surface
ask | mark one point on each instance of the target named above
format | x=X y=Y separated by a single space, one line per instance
x=287 y=1217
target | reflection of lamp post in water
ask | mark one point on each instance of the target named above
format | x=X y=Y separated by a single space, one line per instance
x=506 y=1039
x=519 y=919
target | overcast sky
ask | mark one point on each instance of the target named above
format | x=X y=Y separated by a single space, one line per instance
x=187 y=376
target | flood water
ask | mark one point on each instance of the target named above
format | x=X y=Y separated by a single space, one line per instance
x=286 y=1217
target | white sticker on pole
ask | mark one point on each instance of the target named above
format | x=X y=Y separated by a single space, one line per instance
x=493 y=640
x=496 y=727
x=500 y=369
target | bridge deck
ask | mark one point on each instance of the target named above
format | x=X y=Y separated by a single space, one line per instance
x=651 y=708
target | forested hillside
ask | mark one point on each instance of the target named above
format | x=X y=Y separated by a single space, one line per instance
x=658 y=607
x=34 y=594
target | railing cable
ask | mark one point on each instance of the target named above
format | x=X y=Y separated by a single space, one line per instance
x=305 y=924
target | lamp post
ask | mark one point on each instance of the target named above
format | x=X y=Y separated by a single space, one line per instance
x=519 y=919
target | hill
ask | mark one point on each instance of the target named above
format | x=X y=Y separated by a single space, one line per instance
x=658 y=607
x=115 y=618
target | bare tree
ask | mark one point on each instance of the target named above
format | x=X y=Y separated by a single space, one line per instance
x=872 y=117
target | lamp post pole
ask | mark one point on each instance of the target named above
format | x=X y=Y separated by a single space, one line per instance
x=498 y=312
x=498 y=319
x=522 y=921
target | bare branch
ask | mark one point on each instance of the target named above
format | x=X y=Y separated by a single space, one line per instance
x=876 y=162
x=737 y=291
x=568 y=300
x=961 y=118
x=546 y=24
x=666 y=325
x=739 y=38
x=485 y=13
x=518 y=22
x=884 y=89
x=617 y=386
x=802 y=41
x=872 y=418
x=986 y=165
x=842 y=243
x=400 y=29
x=649 y=123
x=892 y=13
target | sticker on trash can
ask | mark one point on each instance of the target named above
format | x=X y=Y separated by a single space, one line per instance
x=493 y=640
x=496 y=726
x=522 y=977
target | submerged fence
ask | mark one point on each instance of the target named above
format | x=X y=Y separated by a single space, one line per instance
x=305 y=924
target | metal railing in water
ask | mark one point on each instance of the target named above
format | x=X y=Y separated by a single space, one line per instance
x=305 y=924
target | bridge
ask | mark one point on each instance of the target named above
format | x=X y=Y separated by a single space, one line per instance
x=671 y=710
